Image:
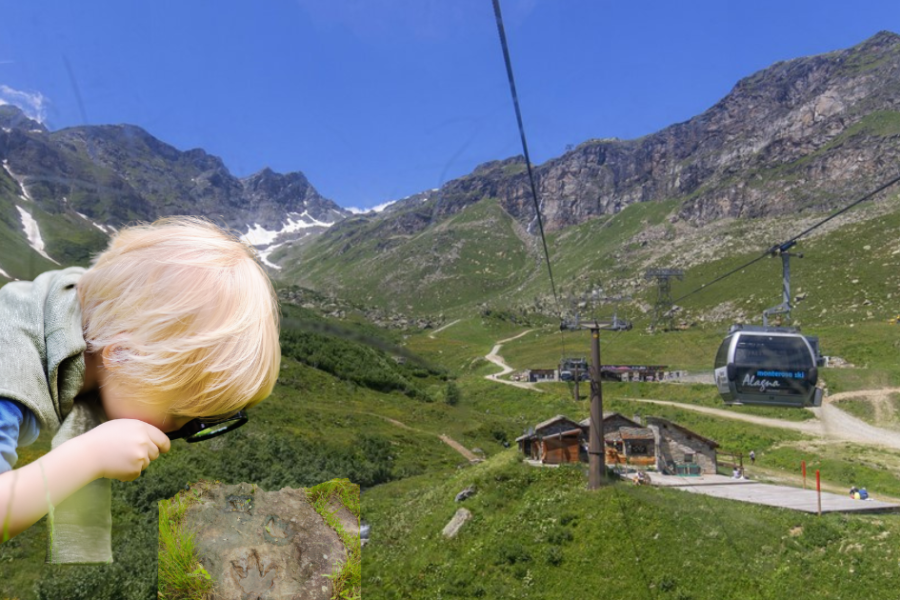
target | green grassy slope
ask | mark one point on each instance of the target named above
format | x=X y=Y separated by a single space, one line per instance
x=68 y=238
x=538 y=533
x=463 y=260
x=848 y=274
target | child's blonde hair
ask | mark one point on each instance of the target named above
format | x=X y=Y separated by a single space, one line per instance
x=192 y=313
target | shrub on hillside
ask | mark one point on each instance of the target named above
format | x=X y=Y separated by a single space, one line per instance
x=452 y=394
x=511 y=552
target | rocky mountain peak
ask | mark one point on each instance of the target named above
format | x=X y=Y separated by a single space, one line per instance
x=12 y=117
x=110 y=175
x=803 y=134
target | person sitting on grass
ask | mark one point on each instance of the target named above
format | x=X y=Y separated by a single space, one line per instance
x=175 y=320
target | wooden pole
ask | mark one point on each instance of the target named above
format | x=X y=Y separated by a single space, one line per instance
x=803 y=466
x=819 y=491
x=597 y=457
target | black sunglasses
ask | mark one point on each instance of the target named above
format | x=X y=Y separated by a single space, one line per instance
x=198 y=430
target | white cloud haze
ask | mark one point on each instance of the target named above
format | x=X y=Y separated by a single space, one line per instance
x=33 y=104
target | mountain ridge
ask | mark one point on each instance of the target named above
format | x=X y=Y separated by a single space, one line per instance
x=790 y=142
x=793 y=109
x=79 y=184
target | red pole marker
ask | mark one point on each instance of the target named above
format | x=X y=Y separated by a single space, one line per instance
x=819 y=491
x=803 y=465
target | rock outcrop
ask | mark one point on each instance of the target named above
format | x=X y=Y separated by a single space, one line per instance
x=804 y=134
x=115 y=174
x=263 y=545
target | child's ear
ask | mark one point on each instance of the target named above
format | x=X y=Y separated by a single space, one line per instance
x=113 y=355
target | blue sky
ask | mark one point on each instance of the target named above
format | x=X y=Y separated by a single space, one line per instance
x=378 y=99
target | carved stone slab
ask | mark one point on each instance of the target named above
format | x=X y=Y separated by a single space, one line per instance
x=261 y=545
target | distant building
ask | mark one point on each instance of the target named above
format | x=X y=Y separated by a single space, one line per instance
x=680 y=451
x=632 y=372
x=554 y=441
x=537 y=375
x=661 y=444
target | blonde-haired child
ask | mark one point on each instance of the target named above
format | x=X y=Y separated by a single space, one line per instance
x=174 y=321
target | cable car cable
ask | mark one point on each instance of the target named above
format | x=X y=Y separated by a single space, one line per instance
x=730 y=543
x=868 y=196
x=790 y=242
x=651 y=589
x=783 y=247
x=537 y=206
x=766 y=254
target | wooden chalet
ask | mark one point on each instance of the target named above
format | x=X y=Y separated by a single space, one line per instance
x=554 y=441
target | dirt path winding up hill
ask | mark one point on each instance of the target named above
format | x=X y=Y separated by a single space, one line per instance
x=831 y=422
x=494 y=357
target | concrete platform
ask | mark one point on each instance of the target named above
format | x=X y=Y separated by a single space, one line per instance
x=779 y=496
x=661 y=480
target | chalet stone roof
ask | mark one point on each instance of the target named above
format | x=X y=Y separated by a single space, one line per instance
x=630 y=433
x=636 y=433
x=606 y=417
x=552 y=421
x=543 y=425
x=576 y=431
x=665 y=422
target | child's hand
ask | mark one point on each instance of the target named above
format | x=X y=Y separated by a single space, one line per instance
x=122 y=448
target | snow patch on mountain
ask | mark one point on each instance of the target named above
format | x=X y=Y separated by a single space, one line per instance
x=264 y=255
x=260 y=236
x=33 y=233
x=5 y=274
x=24 y=195
x=97 y=225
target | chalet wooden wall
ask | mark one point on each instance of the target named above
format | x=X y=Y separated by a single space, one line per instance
x=561 y=450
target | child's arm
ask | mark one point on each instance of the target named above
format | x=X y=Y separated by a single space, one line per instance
x=118 y=449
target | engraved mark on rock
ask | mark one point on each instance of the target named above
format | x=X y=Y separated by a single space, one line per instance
x=255 y=576
x=241 y=504
x=277 y=531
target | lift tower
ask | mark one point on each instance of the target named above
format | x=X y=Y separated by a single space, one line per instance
x=596 y=447
x=662 y=312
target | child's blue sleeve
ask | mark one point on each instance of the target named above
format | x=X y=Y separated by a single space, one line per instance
x=18 y=427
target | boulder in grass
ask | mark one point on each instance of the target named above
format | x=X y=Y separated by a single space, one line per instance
x=456 y=523
x=466 y=493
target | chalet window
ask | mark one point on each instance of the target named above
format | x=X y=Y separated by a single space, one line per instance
x=688 y=457
x=639 y=449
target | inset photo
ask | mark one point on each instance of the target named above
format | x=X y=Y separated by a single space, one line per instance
x=240 y=542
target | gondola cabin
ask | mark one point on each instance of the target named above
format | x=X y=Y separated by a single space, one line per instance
x=768 y=366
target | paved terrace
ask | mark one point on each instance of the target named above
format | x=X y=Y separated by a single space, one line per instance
x=779 y=496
